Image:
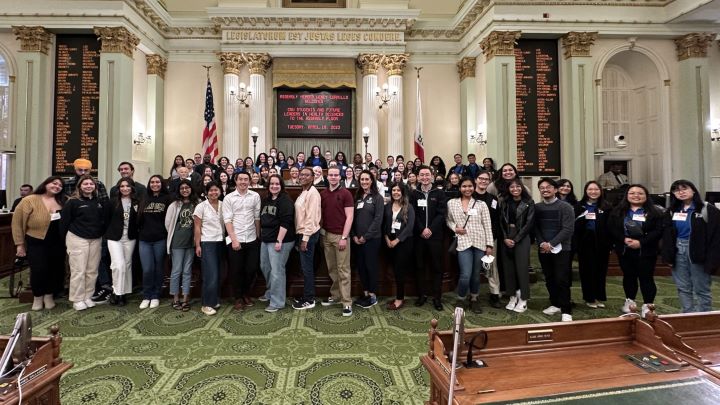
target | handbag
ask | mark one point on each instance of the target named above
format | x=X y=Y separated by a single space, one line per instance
x=452 y=249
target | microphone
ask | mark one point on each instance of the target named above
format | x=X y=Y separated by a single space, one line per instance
x=470 y=363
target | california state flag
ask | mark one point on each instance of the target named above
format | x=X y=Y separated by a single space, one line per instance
x=419 y=147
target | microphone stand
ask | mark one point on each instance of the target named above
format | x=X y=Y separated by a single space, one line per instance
x=458 y=329
x=470 y=363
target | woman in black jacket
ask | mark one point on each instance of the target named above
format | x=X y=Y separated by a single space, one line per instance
x=590 y=241
x=517 y=219
x=635 y=227
x=153 y=235
x=121 y=236
x=399 y=220
x=691 y=245
x=366 y=236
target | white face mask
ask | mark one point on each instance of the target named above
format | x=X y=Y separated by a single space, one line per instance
x=383 y=177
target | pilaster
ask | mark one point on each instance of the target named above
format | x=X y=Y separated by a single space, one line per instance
x=156 y=67
x=395 y=64
x=231 y=63
x=258 y=64
x=468 y=105
x=369 y=63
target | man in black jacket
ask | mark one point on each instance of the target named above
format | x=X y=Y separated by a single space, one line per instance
x=430 y=209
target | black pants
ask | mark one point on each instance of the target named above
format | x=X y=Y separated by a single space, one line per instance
x=47 y=263
x=641 y=268
x=428 y=253
x=516 y=262
x=557 y=279
x=401 y=257
x=593 y=260
x=367 y=265
x=244 y=264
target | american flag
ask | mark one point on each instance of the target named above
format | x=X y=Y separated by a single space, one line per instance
x=209 y=137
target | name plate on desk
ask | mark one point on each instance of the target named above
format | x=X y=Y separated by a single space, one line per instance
x=540 y=335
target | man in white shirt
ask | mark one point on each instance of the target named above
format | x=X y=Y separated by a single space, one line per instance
x=613 y=178
x=241 y=214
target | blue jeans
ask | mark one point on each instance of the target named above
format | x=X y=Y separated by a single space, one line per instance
x=210 y=264
x=307 y=264
x=152 y=256
x=272 y=265
x=470 y=268
x=181 y=265
x=693 y=283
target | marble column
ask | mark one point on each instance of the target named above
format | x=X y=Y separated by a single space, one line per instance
x=155 y=121
x=369 y=64
x=693 y=148
x=258 y=64
x=578 y=120
x=395 y=64
x=115 y=137
x=499 y=50
x=468 y=107
x=231 y=63
x=33 y=159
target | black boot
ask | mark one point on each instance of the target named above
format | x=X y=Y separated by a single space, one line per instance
x=123 y=300
x=495 y=301
x=114 y=299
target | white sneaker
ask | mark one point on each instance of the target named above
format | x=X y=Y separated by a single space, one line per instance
x=208 y=311
x=521 y=306
x=592 y=305
x=551 y=310
x=644 y=310
x=37 y=303
x=566 y=318
x=628 y=303
x=154 y=303
x=144 y=304
x=49 y=301
x=512 y=303
x=600 y=304
x=79 y=306
x=89 y=303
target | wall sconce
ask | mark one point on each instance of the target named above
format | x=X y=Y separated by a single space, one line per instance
x=477 y=137
x=385 y=94
x=715 y=132
x=366 y=137
x=243 y=95
x=141 y=139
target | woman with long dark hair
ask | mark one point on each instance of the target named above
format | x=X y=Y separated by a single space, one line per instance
x=260 y=161
x=592 y=243
x=153 y=239
x=121 y=235
x=566 y=192
x=366 y=235
x=248 y=165
x=691 y=245
x=178 y=162
x=180 y=246
x=488 y=164
x=209 y=232
x=635 y=228
x=315 y=158
x=506 y=174
x=438 y=166
x=36 y=233
x=398 y=232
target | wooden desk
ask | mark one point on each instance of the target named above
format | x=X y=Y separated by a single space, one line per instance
x=41 y=378
x=578 y=356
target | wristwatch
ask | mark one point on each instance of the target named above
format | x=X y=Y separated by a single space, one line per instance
x=344 y=238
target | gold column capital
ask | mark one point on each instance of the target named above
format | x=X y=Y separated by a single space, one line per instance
x=231 y=62
x=499 y=43
x=578 y=43
x=466 y=67
x=33 y=39
x=395 y=63
x=156 y=65
x=258 y=63
x=693 y=45
x=116 y=40
x=369 y=63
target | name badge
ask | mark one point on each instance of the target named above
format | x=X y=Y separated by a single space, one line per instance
x=590 y=215
x=360 y=205
x=396 y=225
x=422 y=203
x=680 y=216
x=638 y=217
x=472 y=211
x=54 y=216
x=493 y=205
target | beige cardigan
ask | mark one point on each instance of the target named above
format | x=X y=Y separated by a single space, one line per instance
x=30 y=218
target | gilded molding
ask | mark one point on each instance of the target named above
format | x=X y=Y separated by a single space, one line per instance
x=694 y=45
x=258 y=63
x=499 y=43
x=578 y=43
x=231 y=62
x=466 y=67
x=395 y=63
x=369 y=63
x=33 y=39
x=156 y=65
x=116 y=40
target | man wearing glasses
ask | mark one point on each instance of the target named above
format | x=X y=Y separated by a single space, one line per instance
x=482 y=181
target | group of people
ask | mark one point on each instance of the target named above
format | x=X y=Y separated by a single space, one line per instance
x=211 y=211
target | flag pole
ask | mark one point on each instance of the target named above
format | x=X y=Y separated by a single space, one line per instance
x=207 y=69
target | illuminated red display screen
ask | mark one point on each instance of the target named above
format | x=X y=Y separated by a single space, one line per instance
x=314 y=113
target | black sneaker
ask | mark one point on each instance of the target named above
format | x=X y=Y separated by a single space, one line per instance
x=304 y=304
x=330 y=301
x=101 y=296
x=369 y=301
x=495 y=301
x=362 y=301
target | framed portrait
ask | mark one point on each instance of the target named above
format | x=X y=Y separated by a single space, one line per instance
x=314 y=3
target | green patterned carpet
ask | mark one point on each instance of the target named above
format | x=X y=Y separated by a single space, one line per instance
x=163 y=356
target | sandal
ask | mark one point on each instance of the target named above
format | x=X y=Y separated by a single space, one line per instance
x=177 y=305
x=185 y=306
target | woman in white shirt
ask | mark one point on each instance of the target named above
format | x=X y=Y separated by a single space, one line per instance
x=209 y=235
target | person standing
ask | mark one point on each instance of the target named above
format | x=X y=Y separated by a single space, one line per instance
x=337 y=214
x=691 y=244
x=554 y=222
x=25 y=190
x=127 y=171
x=398 y=231
x=36 y=233
x=180 y=246
x=592 y=244
x=307 y=230
x=153 y=240
x=495 y=273
x=613 y=178
x=241 y=214
x=277 y=230
x=635 y=228
x=430 y=208
x=366 y=236
x=121 y=235
x=208 y=237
